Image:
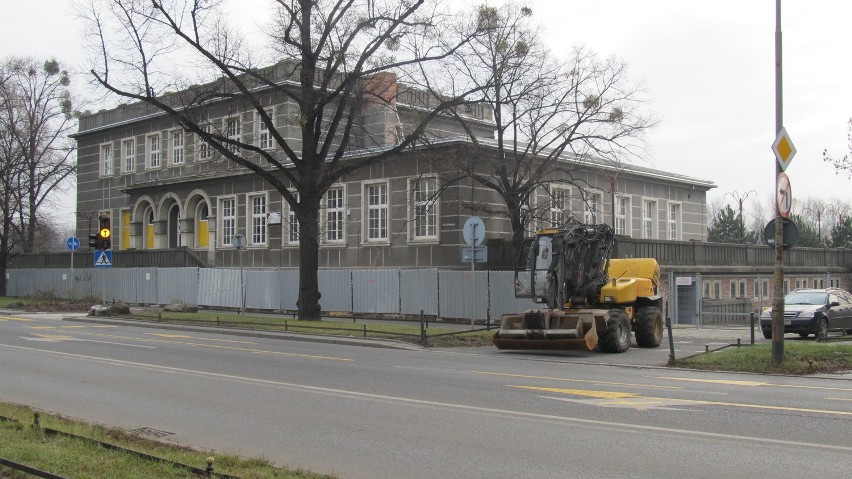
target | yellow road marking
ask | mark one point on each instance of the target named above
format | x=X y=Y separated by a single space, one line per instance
x=621 y=395
x=13 y=318
x=181 y=336
x=582 y=392
x=41 y=327
x=590 y=381
x=838 y=399
x=752 y=383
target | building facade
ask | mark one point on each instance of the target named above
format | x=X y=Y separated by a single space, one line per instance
x=163 y=188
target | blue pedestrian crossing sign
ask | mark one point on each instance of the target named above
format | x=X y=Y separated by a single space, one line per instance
x=103 y=259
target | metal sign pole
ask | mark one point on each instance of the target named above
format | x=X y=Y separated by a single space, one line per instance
x=473 y=276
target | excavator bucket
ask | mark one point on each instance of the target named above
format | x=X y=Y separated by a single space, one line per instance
x=548 y=329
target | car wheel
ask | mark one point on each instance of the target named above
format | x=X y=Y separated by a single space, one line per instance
x=803 y=335
x=822 y=329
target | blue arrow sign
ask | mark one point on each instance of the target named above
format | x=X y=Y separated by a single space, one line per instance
x=72 y=243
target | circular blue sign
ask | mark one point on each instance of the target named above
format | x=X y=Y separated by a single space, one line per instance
x=72 y=243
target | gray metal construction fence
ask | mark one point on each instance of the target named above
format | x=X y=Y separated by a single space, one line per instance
x=438 y=293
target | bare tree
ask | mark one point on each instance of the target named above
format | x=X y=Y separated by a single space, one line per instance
x=338 y=58
x=843 y=164
x=546 y=110
x=36 y=156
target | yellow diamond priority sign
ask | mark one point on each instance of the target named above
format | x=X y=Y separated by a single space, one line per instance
x=783 y=149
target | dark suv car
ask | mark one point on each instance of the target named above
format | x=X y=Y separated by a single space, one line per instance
x=813 y=311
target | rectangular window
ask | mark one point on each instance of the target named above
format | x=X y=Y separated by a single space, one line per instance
x=592 y=208
x=377 y=212
x=129 y=149
x=622 y=207
x=228 y=219
x=154 y=151
x=707 y=289
x=425 y=208
x=205 y=152
x=258 y=219
x=674 y=221
x=765 y=288
x=649 y=217
x=232 y=131
x=717 y=290
x=742 y=289
x=177 y=147
x=264 y=139
x=733 y=289
x=334 y=215
x=293 y=224
x=560 y=201
x=106 y=160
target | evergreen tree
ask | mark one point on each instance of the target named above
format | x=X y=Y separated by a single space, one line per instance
x=728 y=227
x=841 y=233
x=808 y=236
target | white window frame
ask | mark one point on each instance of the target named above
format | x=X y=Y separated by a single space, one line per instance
x=205 y=150
x=622 y=215
x=264 y=136
x=743 y=293
x=334 y=211
x=424 y=204
x=106 y=159
x=292 y=223
x=593 y=207
x=154 y=155
x=377 y=216
x=560 y=205
x=233 y=134
x=128 y=155
x=673 y=221
x=226 y=217
x=258 y=205
x=649 y=219
x=178 y=142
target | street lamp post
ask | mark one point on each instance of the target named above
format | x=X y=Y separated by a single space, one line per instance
x=739 y=198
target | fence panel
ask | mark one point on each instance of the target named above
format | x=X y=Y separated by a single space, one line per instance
x=219 y=287
x=263 y=290
x=288 y=279
x=178 y=285
x=375 y=291
x=418 y=289
x=503 y=300
x=335 y=285
x=463 y=294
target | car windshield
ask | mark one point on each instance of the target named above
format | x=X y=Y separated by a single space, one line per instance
x=805 y=298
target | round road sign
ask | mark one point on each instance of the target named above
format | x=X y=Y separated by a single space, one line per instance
x=783 y=195
x=474 y=231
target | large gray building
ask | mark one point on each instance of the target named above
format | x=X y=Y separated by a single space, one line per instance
x=164 y=188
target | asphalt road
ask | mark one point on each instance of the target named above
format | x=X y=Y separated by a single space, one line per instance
x=375 y=413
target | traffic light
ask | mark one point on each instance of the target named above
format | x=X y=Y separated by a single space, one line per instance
x=94 y=241
x=104 y=233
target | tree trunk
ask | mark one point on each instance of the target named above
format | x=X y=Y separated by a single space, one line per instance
x=309 y=295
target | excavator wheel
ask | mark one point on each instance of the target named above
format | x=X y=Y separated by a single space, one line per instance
x=616 y=339
x=649 y=327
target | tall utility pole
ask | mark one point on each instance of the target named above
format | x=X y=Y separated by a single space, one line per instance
x=778 y=298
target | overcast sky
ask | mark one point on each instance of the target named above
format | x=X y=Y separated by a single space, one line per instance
x=708 y=68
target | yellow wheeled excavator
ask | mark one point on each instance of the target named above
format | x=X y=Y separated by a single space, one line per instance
x=589 y=299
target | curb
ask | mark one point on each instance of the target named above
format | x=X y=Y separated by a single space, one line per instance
x=288 y=336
